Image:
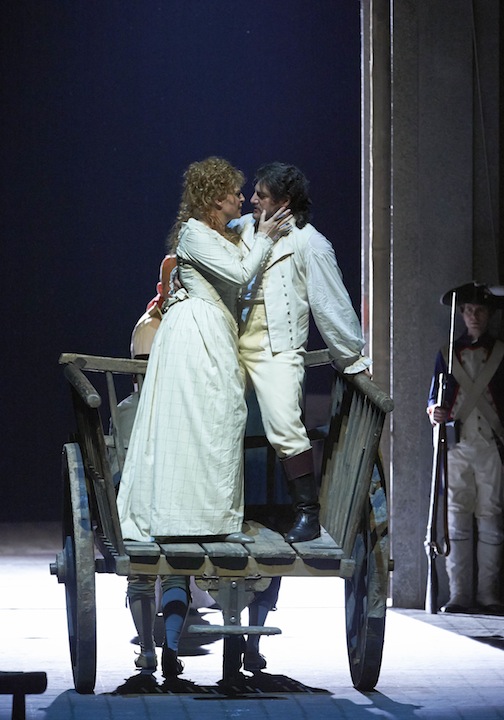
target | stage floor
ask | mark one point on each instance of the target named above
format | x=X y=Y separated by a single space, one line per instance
x=434 y=666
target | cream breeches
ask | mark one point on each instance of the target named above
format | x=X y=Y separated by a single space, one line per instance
x=277 y=379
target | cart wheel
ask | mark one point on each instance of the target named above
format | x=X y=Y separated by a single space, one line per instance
x=366 y=590
x=79 y=568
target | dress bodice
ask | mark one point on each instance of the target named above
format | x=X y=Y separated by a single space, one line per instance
x=212 y=267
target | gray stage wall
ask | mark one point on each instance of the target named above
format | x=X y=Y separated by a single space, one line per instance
x=431 y=159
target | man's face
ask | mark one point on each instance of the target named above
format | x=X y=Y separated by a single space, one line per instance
x=476 y=319
x=262 y=200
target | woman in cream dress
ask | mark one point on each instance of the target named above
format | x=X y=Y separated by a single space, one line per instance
x=183 y=471
x=183 y=474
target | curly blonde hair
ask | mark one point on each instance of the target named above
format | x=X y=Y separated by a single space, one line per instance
x=206 y=182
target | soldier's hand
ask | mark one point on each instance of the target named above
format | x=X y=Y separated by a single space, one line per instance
x=437 y=414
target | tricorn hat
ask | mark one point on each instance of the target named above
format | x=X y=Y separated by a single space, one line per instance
x=476 y=294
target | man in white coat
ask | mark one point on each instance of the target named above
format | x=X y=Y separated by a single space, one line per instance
x=300 y=275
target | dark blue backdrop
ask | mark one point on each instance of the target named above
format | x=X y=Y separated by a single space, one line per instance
x=105 y=102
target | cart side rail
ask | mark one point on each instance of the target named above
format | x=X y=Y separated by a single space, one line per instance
x=98 y=363
x=362 y=382
x=91 y=437
x=358 y=411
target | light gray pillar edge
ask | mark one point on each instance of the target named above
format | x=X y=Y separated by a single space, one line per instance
x=375 y=190
x=376 y=208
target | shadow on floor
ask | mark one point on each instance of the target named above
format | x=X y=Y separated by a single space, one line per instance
x=259 y=684
x=496 y=641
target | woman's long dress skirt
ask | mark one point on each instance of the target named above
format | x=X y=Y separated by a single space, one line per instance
x=183 y=474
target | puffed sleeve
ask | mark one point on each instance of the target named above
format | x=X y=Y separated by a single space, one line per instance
x=207 y=249
x=332 y=308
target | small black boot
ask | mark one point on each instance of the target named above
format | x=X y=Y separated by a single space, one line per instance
x=304 y=492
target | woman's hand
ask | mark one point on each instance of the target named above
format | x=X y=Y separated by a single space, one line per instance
x=277 y=225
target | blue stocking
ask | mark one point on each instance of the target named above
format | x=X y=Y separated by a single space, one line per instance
x=175 y=604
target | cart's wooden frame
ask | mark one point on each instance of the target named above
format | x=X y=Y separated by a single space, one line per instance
x=354 y=543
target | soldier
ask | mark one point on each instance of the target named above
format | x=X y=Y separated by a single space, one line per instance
x=474 y=401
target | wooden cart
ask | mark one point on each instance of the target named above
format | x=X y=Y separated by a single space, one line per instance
x=354 y=543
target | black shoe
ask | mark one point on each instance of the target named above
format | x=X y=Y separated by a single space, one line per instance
x=306 y=526
x=253 y=660
x=454 y=608
x=171 y=666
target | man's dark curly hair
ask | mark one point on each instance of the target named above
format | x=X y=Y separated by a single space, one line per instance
x=283 y=180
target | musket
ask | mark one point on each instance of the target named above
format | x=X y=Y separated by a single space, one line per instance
x=439 y=480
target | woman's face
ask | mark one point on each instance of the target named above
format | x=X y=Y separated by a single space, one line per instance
x=232 y=205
